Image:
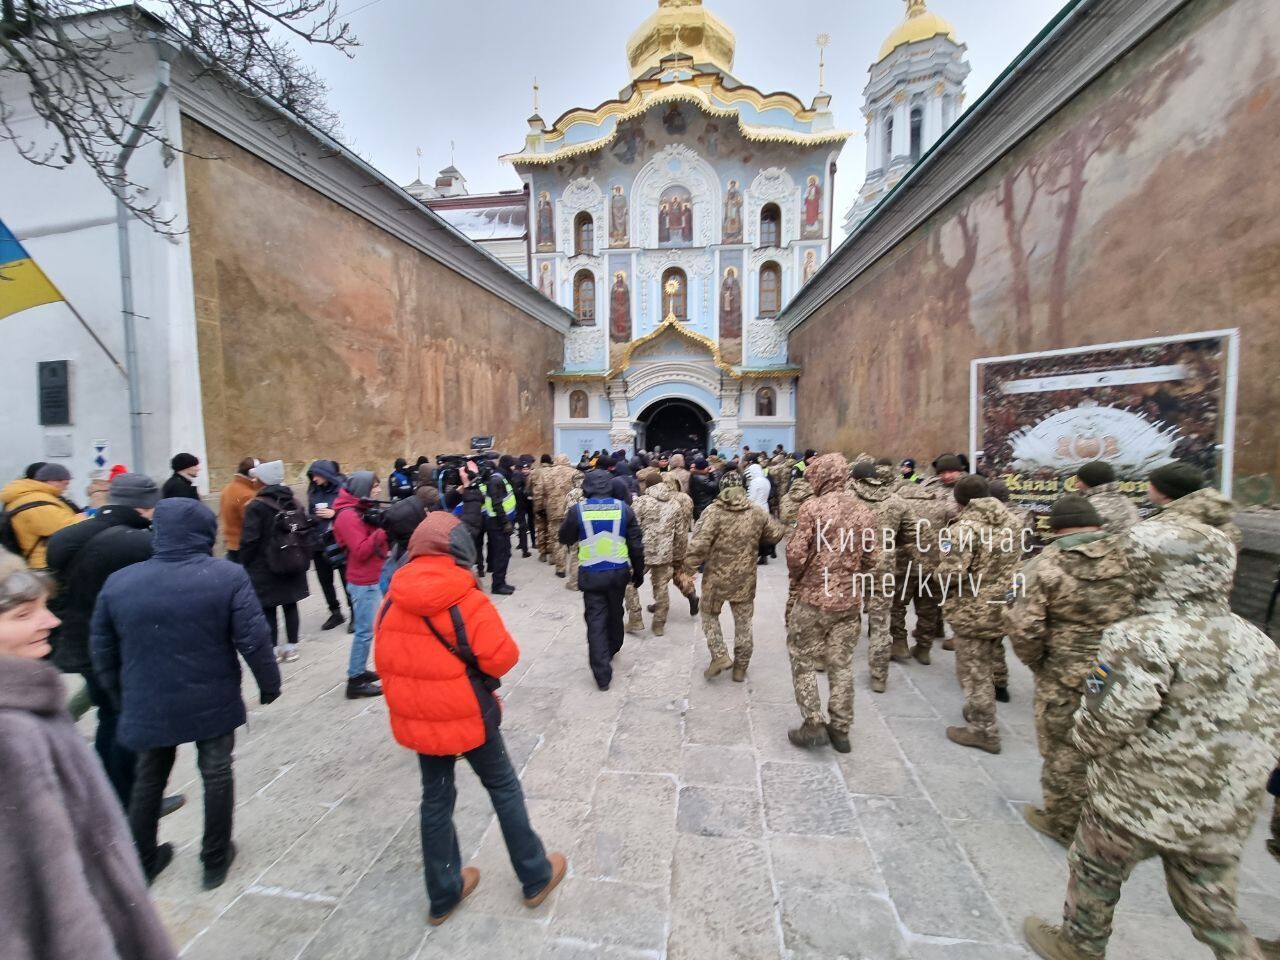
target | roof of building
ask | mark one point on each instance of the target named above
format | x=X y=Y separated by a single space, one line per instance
x=920 y=24
x=509 y=222
x=681 y=25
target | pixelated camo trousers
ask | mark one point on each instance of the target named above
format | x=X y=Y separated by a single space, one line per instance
x=743 y=642
x=975 y=667
x=817 y=637
x=1062 y=775
x=1203 y=891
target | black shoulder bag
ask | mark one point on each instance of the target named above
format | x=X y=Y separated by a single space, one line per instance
x=483 y=684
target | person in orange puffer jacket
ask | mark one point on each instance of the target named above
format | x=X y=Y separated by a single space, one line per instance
x=435 y=621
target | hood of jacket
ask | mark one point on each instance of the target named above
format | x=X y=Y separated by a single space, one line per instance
x=597 y=484
x=871 y=492
x=754 y=472
x=430 y=584
x=827 y=473
x=346 y=499
x=1111 y=559
x=676 y=462
x=22 y=489
x=1206 y=505
x=184 y=528
x=987 y=510
x=660 y=492
x=328 y=471
x=561 y=460
x=622 y=469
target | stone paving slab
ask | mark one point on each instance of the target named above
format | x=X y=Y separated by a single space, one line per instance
x=693 y=828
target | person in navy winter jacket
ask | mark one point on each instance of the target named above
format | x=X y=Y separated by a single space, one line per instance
x=164 y=640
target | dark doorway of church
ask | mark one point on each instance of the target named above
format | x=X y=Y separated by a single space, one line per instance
x=675 y=425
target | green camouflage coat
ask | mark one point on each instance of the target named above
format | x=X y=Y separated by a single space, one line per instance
x=834 y=543
x=661 y=521
x=1118 y=512
x=553 y=485
x=727 y=539
x=1181 y=716
x=798 y=491
x=893 y=523
x=980 y=553
x=930 y=507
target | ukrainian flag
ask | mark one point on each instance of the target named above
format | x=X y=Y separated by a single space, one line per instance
x=22 y=283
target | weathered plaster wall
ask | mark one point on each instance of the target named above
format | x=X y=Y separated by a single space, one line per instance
x=323 y=336
x=1147 y=207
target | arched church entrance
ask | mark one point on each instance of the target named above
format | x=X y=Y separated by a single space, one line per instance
x=673 y=424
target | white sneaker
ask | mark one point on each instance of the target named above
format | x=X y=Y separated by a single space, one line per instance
x=290 y=653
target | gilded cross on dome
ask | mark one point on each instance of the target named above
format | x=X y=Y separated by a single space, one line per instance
x=915 y=8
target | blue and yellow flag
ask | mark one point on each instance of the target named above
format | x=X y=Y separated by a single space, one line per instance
x=22 y=283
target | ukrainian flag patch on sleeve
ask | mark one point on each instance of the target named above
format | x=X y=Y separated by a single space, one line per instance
x=1098 y=677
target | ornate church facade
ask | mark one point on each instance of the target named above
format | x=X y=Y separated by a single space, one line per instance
x=675 y=221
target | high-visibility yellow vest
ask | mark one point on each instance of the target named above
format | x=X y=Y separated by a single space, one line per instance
x=508 y=500
x=602 y=549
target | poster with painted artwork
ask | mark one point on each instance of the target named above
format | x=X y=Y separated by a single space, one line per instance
x=675 y=218
x=1136 y=406
x=618 y=217
x=732 y=229
x=811 y=225
x=620 y=308
x=546 y=223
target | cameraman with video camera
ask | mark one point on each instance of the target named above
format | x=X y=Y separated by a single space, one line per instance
x=357 y=528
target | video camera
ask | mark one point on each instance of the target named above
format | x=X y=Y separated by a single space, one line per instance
x=374 y=512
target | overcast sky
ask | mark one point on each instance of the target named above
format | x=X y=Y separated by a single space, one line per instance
x=429 y=72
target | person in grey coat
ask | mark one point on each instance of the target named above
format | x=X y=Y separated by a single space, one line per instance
x=70 y=881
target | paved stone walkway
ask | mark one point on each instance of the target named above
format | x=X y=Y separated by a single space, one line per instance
x=694 y=830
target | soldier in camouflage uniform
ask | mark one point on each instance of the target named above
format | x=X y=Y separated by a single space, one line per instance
x=980 y=555
x=727 y=540
x=798 y=491
x=665 y=541
x=930 y=507
x=553 y=485
x=1023 y=523
x=572 y=499
x=1180 y=722
x=834 y=543
x=684 y=582
x=1072 y=591
x=537 y=499
x=892 y=527
x=1097 y=481
x=779 y=479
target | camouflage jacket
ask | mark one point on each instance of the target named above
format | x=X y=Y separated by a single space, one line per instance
x=798 y=491
x=1117 y=511
x=1181 y=715
x=676 y=469
x=682 y=500
x=893 y=521
x=1074 y=590
x=575 y=495
x=533 y=486
x=727 y=539
x=643 y=475
x=780 y=475
x=930 y=507
x=980 y=553
x=553 y=484
x=661 y=520
x=835 y=541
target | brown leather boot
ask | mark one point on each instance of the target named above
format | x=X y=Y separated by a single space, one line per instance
x=717 y=666
x=877 y=685
x=809 y=734
x=949 y=643
x=971 y=738
x=921 y=654
x=900 y=652
x=470 y=880
x=1046 y=940
x=1037 y=819
x=739 y=672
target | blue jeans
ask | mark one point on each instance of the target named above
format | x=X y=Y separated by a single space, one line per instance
x=441 y=858
x=365 y=600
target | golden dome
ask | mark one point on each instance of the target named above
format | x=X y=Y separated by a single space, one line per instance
x=683 y=26
x=919 y=25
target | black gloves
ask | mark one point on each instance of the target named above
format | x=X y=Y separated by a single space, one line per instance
x=266 y=698
x=637 y=579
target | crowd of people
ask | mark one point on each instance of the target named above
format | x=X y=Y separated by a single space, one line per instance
x=1157 y=710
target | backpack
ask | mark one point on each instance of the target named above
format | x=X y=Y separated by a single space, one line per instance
x=333 y=551
x=9 y=536
x=288 y=540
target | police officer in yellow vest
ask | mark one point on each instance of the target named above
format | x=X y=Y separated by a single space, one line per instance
x=499 y=514
x=610 y=555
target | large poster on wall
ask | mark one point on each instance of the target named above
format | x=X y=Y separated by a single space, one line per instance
x=1036 y=418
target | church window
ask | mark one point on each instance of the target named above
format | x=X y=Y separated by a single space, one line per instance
x=584 y=298
x=887 y=149
x=917 y=133
x=584 y=235
x=675 y=294
x=766 y=402
x=770 y=225
x=770 y=290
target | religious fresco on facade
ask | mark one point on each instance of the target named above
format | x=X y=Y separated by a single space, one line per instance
x=731 y=229
x=618 y=217
x=675 y=218
x=621 y=330
x=578 y=405
x=710 y=139
x=810 y=264
x=629 y=144
x=811 y=213
x=547 y=279
x=731 y=308
x=546 y=223
x=674 y=121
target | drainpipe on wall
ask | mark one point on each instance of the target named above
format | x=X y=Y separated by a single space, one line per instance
x=132 y=373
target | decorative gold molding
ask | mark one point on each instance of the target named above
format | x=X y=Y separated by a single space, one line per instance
x=563 y=376
x=674 y=325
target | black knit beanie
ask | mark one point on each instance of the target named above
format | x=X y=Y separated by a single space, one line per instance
x=1176 y=480
x=1073 y=510
x=972 y=487
x=1096 y=473
x=183 y=461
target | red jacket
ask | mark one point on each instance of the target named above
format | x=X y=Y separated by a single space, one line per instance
x=366 y=546
x=432 y=704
